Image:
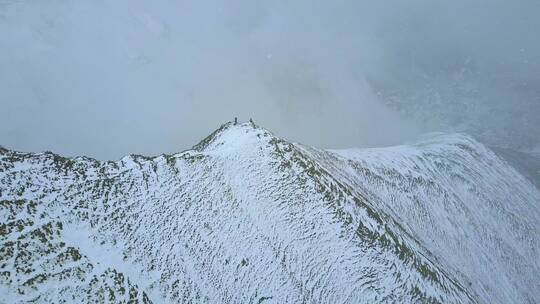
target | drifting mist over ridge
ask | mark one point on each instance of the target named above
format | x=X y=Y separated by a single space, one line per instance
x=76 y=77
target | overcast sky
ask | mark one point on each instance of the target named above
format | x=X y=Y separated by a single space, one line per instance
x=108 y=78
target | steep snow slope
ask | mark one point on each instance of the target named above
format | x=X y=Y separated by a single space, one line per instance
x=248 y=217
x=473 y=211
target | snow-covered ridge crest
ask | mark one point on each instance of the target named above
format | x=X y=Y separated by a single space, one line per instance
x=230 y=136
x=247 y=217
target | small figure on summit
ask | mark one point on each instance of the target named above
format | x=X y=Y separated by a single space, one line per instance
x=235 y=121
x=251 y=122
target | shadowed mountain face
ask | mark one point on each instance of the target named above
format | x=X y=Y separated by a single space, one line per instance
x=246 y=217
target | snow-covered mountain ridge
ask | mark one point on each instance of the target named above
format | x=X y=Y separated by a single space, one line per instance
x=247 y=217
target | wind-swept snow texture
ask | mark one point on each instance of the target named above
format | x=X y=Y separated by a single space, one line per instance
x=246 y=217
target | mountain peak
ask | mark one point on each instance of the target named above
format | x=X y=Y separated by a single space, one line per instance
x=232 y=136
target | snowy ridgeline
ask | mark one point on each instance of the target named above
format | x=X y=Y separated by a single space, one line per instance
x=246 y=217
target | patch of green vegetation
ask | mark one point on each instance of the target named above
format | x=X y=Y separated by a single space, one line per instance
x=5 y=277
x=14 y=206
x=170 y=159
x=32 y=282
x=63 y=164
x=70 y=253
x=194 y=158
x=262 y=299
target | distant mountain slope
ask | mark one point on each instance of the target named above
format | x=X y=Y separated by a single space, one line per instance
x=527 y=164
x=246 y=217
x=478 y=215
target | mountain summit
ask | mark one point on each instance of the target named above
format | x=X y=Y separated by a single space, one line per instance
x=247 y=217
x=232 y=136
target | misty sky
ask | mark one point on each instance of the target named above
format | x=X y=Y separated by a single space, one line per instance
x=108 y=78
